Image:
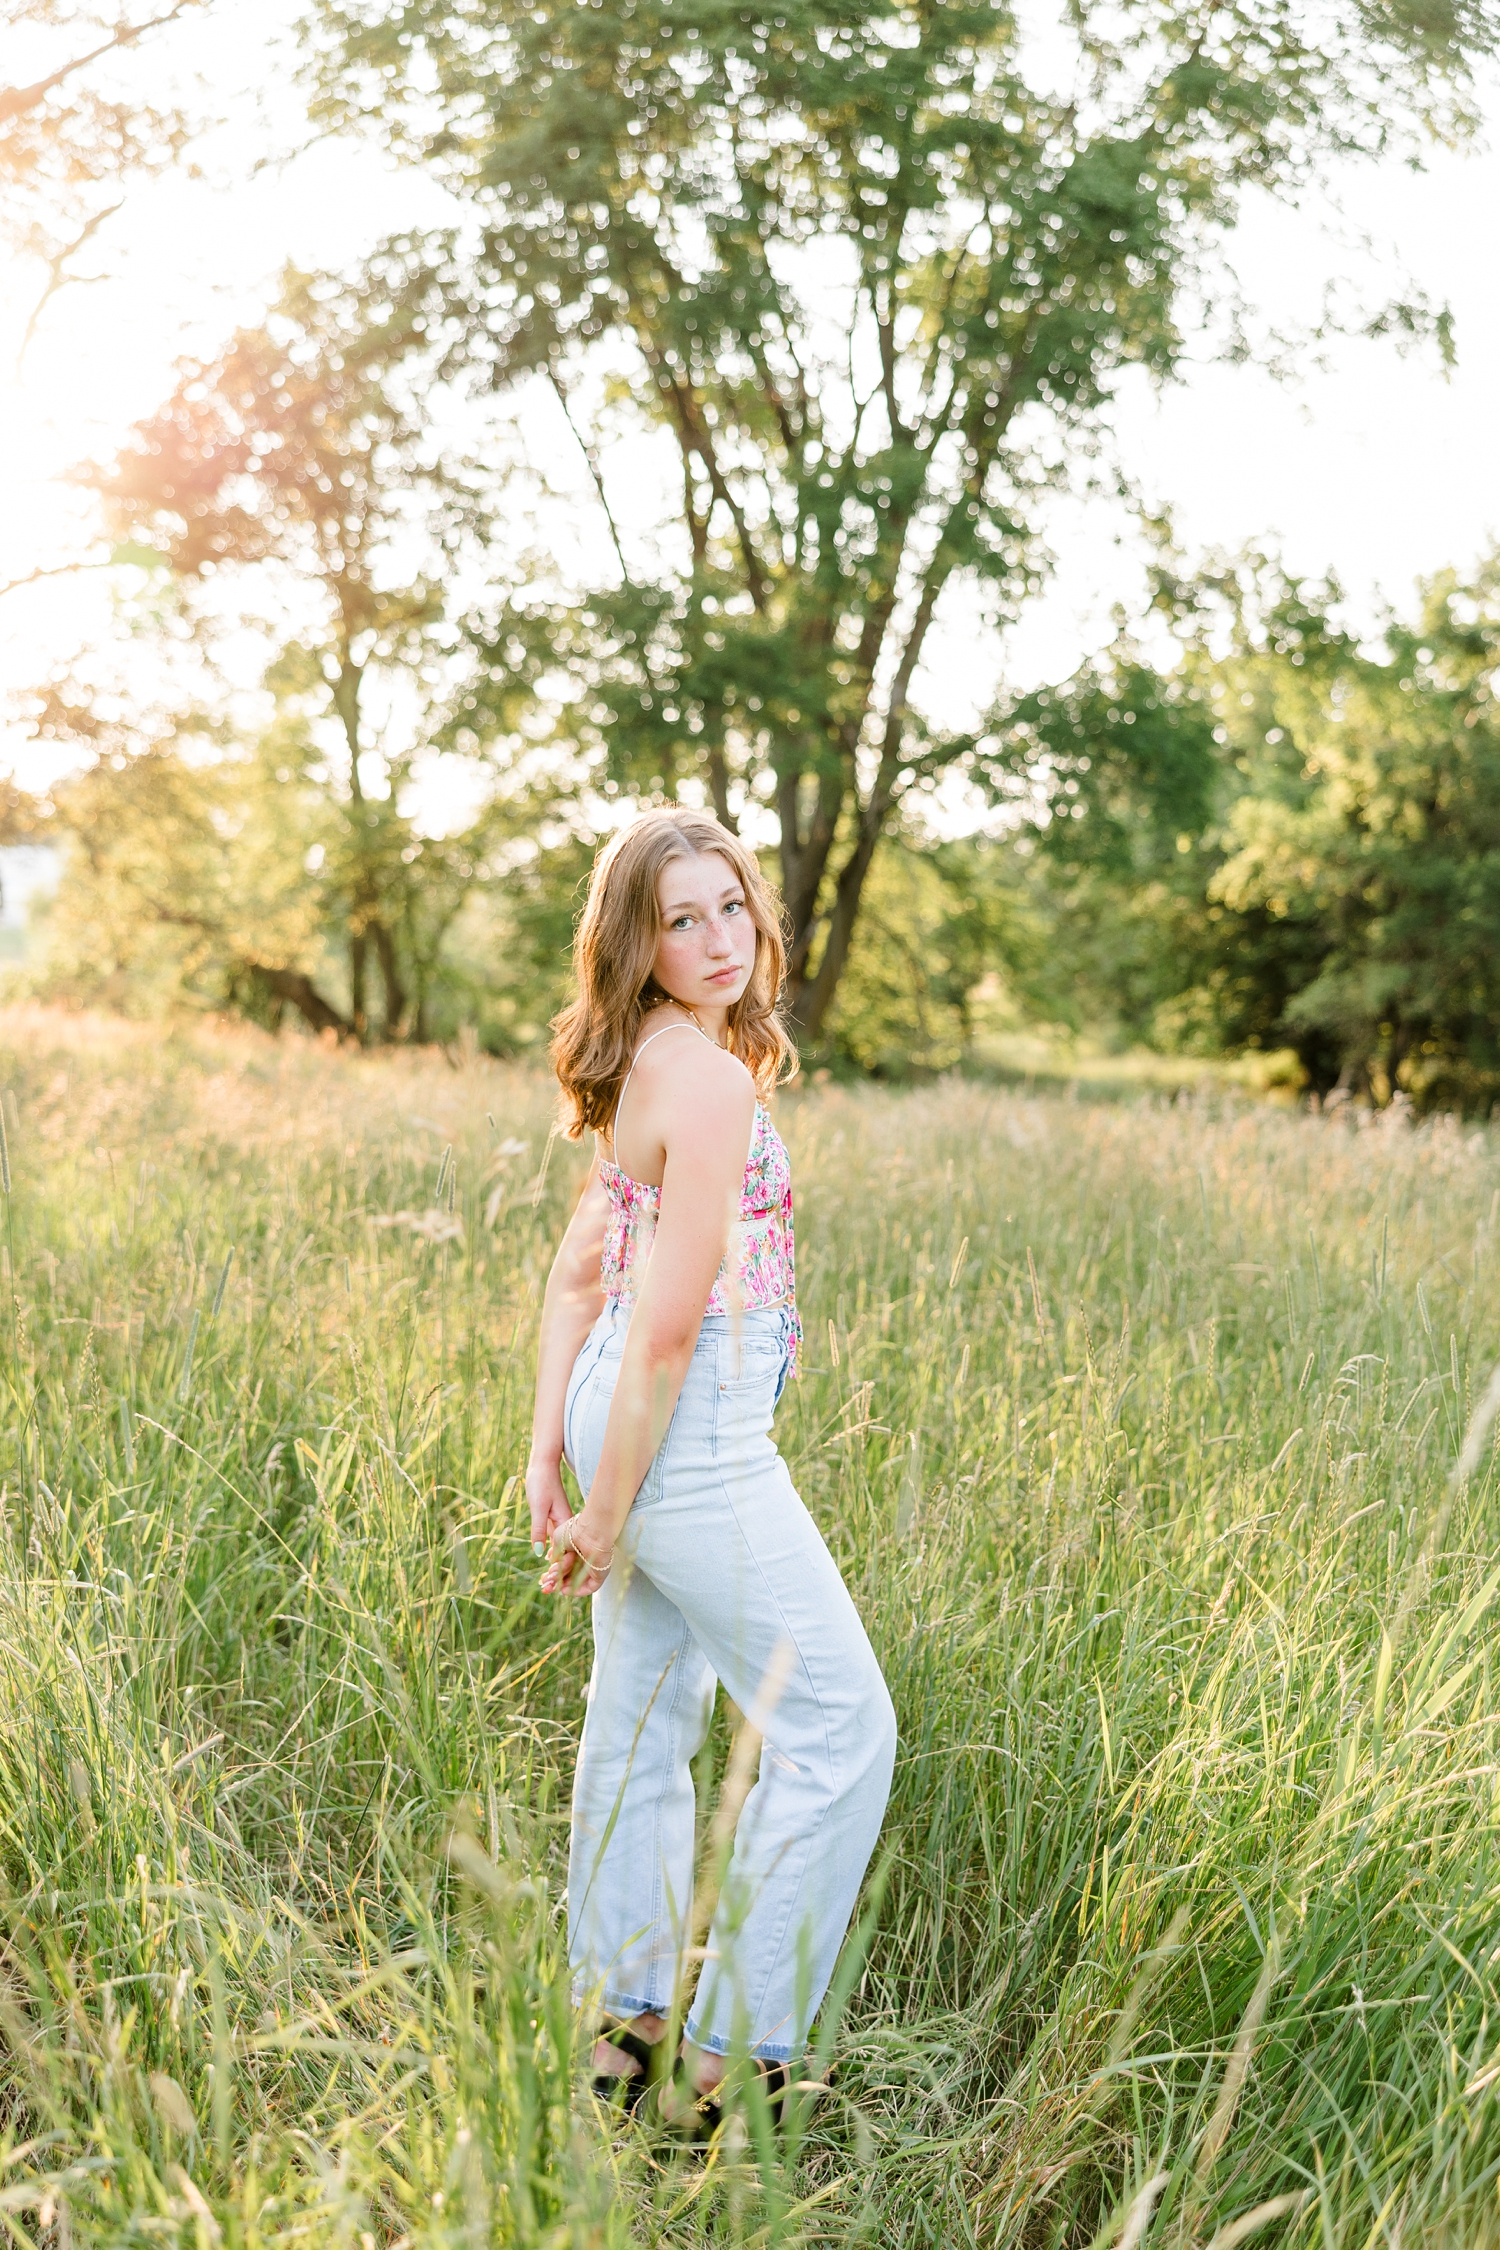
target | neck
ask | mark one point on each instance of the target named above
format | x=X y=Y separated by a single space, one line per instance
x=712 y=1020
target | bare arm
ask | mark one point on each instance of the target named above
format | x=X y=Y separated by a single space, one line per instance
x=572 y=1303
x=703 y=1105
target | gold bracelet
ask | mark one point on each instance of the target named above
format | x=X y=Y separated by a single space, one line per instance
x=565 y=1543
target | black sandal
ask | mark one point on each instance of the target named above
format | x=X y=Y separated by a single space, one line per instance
x=697 y=2125
x=645 y=2053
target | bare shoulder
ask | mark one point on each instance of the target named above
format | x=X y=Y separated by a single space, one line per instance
x=694 y=1067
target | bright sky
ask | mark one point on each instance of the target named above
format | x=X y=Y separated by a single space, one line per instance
x=1375 y=466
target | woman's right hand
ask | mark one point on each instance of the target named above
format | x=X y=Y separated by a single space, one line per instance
x=581 y=1559
x=547 y=1500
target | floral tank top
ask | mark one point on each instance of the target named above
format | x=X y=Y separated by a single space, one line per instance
x=760 y=1264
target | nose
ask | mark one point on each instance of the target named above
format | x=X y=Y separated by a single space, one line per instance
x=718 y=935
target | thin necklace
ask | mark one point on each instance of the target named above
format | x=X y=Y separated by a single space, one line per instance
x=697 y=1026
x=669 y=1002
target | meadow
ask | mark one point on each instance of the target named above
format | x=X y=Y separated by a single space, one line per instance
x=1138 y=1429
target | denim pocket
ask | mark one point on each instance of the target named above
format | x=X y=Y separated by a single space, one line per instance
x=753 y=1352
x=751 y=1372
x=580 y=1383
x=757 y=1367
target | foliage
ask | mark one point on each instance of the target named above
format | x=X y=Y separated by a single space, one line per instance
x=189 y=876
x=508 y=962
x=1130 y=1428
x=951 y=945
x=1288 y=839
x=1375 y=838
x=215 y=881
x=872 y=276
x=69 y=143
x=300 y=463
x=1117 y=780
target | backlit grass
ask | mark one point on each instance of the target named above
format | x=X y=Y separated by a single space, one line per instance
x=1132 y=1427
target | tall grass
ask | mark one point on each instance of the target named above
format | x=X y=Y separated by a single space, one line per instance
x=1133 y=1429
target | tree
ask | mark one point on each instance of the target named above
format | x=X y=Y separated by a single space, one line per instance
x=67 y=145
x=298 y=461
x=1124 y=790
x=1374 y=843
x=1114 y=781
x=873 y=281
x=192 y=867
x=951 y=948
x=202 y=867
x=1286 y=839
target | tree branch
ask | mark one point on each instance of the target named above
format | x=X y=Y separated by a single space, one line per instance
x=56 y=277
x=16 y=100
x=693 y=437
x=885 y=326
x=697 y=523
x=590 y=455
x=692 y=434
x=813 y=999
x=803 y=879
x=53 y=570
x=755 y=345
x=718 y=786
x=940 y=326
x=295 y=986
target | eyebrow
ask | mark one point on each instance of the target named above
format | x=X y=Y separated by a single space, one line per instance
x=686 y=905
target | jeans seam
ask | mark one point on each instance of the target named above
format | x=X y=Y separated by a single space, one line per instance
x=619 y=2003
x=674 y=1712
x=774 y=1961
x=741 y=1383
x=570 y=1454
x=716 y=2044
x=594 y=1344
x=658 y=1468
x=776 y=1608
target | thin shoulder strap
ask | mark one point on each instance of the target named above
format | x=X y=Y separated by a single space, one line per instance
x=640 y=1050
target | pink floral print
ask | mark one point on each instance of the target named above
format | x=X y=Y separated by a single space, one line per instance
x=760 y=1266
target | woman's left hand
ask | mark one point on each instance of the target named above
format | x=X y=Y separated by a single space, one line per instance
x=580 y=1561
x=547 y=1500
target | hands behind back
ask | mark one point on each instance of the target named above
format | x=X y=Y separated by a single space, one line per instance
x=690 y=1128
x=580 y=1561
x=566 y=1571
x=547 y=1500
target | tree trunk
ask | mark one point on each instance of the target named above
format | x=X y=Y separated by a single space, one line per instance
x=804 y=860
x=346 y=697
x=357 y=955
x=718 y=784
x=811 y=998
x=390 y=974
x=294 y=988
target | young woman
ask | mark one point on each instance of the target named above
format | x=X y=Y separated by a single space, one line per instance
x=669 y=1328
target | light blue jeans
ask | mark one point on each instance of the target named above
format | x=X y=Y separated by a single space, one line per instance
x=720 y=1574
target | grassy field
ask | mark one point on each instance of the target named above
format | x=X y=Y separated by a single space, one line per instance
x=1133 y=1427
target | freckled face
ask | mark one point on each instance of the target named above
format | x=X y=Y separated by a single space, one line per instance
x=706 y=951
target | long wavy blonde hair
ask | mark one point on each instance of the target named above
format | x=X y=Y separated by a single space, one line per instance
x=615 y=948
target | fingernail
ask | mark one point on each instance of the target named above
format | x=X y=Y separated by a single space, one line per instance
x=539 y=1548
